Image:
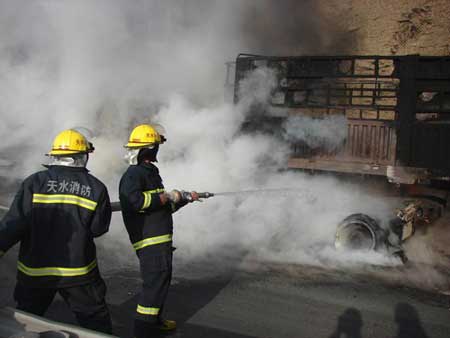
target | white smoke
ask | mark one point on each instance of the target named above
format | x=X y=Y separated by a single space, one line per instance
x=66 y=64
x=256 y=88
x=327 y=132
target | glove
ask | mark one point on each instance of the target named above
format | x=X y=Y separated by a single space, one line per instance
x=174 y=196
x=190 y=197
x=186 y=196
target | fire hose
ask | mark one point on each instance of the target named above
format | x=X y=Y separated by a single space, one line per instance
x=115 y=206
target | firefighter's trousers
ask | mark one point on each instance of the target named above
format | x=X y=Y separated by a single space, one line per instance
x=87 y=302
x=156 y=271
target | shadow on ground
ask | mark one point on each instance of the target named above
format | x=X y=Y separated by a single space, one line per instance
x=349 y=324
x=408 y=322
x=186 y=297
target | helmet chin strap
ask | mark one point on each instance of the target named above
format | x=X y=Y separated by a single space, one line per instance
x=76 y=161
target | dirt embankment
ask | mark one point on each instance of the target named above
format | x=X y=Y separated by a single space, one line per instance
x=388 y=27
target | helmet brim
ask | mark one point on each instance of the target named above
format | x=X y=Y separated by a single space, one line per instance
x=135 y=145
x=60 y=152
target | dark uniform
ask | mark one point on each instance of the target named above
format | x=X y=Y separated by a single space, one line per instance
x=55 y=216
x=150 y=227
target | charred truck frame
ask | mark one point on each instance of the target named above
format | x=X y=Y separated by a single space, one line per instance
x=397 y=110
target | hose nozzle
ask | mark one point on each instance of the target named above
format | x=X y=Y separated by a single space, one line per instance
x=205 y=194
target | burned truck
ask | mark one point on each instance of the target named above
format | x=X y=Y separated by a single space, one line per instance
x=397 y=126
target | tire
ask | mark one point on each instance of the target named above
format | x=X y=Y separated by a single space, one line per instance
x=359 y=232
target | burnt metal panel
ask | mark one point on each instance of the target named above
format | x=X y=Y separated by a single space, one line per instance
x=371 y=142
x=430 y=146
x=406 y=70
x=433 y=68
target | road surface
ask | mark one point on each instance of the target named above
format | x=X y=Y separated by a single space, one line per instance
x=276 y=300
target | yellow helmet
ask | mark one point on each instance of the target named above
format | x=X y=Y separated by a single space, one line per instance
x=144 y=135
x=69 y=142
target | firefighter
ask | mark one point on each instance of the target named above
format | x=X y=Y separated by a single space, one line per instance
x=55 y=215
x=147 y=214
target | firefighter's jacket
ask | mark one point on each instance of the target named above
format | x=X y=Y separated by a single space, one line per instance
x=55 y=216
x=148 y=222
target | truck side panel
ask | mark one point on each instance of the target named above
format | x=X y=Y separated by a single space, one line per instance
x=397 y=109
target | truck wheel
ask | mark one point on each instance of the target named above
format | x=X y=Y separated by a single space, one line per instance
x=359 y=232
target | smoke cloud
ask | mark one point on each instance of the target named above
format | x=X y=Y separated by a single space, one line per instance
x=108 y=65
x=256 y=88
x=328 y=132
